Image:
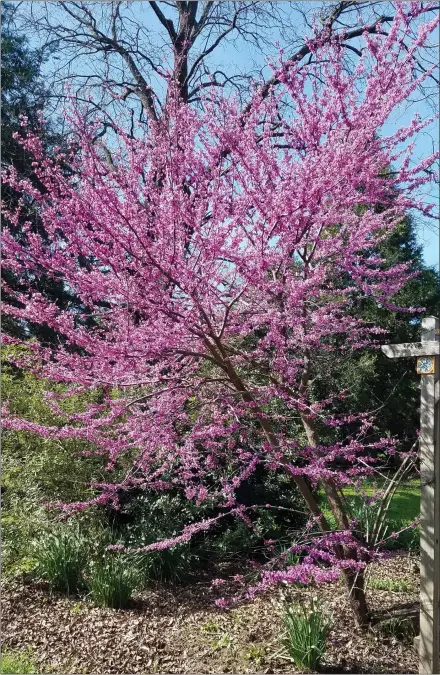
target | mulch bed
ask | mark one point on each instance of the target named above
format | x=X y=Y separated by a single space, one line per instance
x=179 y=630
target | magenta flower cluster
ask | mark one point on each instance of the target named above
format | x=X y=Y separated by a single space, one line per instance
x=214 y=249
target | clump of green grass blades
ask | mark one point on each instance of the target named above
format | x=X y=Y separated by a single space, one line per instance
x=400 y=628
x=306 y=636
x=16 y=662
x=396 y=586
x=113 y=579
x=61 y=559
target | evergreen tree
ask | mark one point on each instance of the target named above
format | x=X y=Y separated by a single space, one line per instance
x=390 y=387
x=24 y=94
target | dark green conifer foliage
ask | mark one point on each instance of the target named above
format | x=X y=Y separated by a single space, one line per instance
x=23 y=93
x=390 y=387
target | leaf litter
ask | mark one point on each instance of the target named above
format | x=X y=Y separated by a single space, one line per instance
x=178 y=629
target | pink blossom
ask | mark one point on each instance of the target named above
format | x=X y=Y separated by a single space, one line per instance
x=209 y=234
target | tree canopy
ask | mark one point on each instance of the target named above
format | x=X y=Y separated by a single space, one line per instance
x=222 y=255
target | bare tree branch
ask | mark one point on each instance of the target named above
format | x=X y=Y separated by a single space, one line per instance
x=119 y=44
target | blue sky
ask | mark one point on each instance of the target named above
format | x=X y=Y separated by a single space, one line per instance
x=427 y=142
x=241 y=56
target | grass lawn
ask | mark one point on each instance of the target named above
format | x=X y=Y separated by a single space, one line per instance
x=404 y=508
x=405 y=504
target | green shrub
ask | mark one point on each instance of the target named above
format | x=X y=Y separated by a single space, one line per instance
x=19 y=527
x=408 y=540
x=148 y=518
x=61 y=559
x=287 y=558
x=403 y=510
x=170 y=565
x=113 y=579
x=306 y=636
x=38 y=470
x=17 y=662
x=235 y=541
x=167 y=566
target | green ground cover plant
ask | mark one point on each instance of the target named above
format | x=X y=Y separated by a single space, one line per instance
x=400 y=628
x=393 y=585
x=19 y=662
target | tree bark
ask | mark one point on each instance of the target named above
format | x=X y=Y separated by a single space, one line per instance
x=354 y=581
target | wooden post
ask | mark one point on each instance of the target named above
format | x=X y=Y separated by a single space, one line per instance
x=429 y=639
x=428 y=366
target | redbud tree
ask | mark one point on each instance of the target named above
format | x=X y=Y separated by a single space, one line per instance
x=219 y=254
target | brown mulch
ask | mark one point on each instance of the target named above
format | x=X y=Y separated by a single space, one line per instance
x=179 y=630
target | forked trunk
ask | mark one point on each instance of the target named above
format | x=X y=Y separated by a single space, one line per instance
x=355 y=583
x=354 y=580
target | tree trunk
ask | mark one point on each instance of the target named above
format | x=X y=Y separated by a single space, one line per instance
x=354 y=580
x=355 y=583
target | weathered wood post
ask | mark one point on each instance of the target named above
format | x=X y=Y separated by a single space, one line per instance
x=428 y=366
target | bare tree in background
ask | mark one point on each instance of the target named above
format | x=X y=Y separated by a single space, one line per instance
x=132 y=49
